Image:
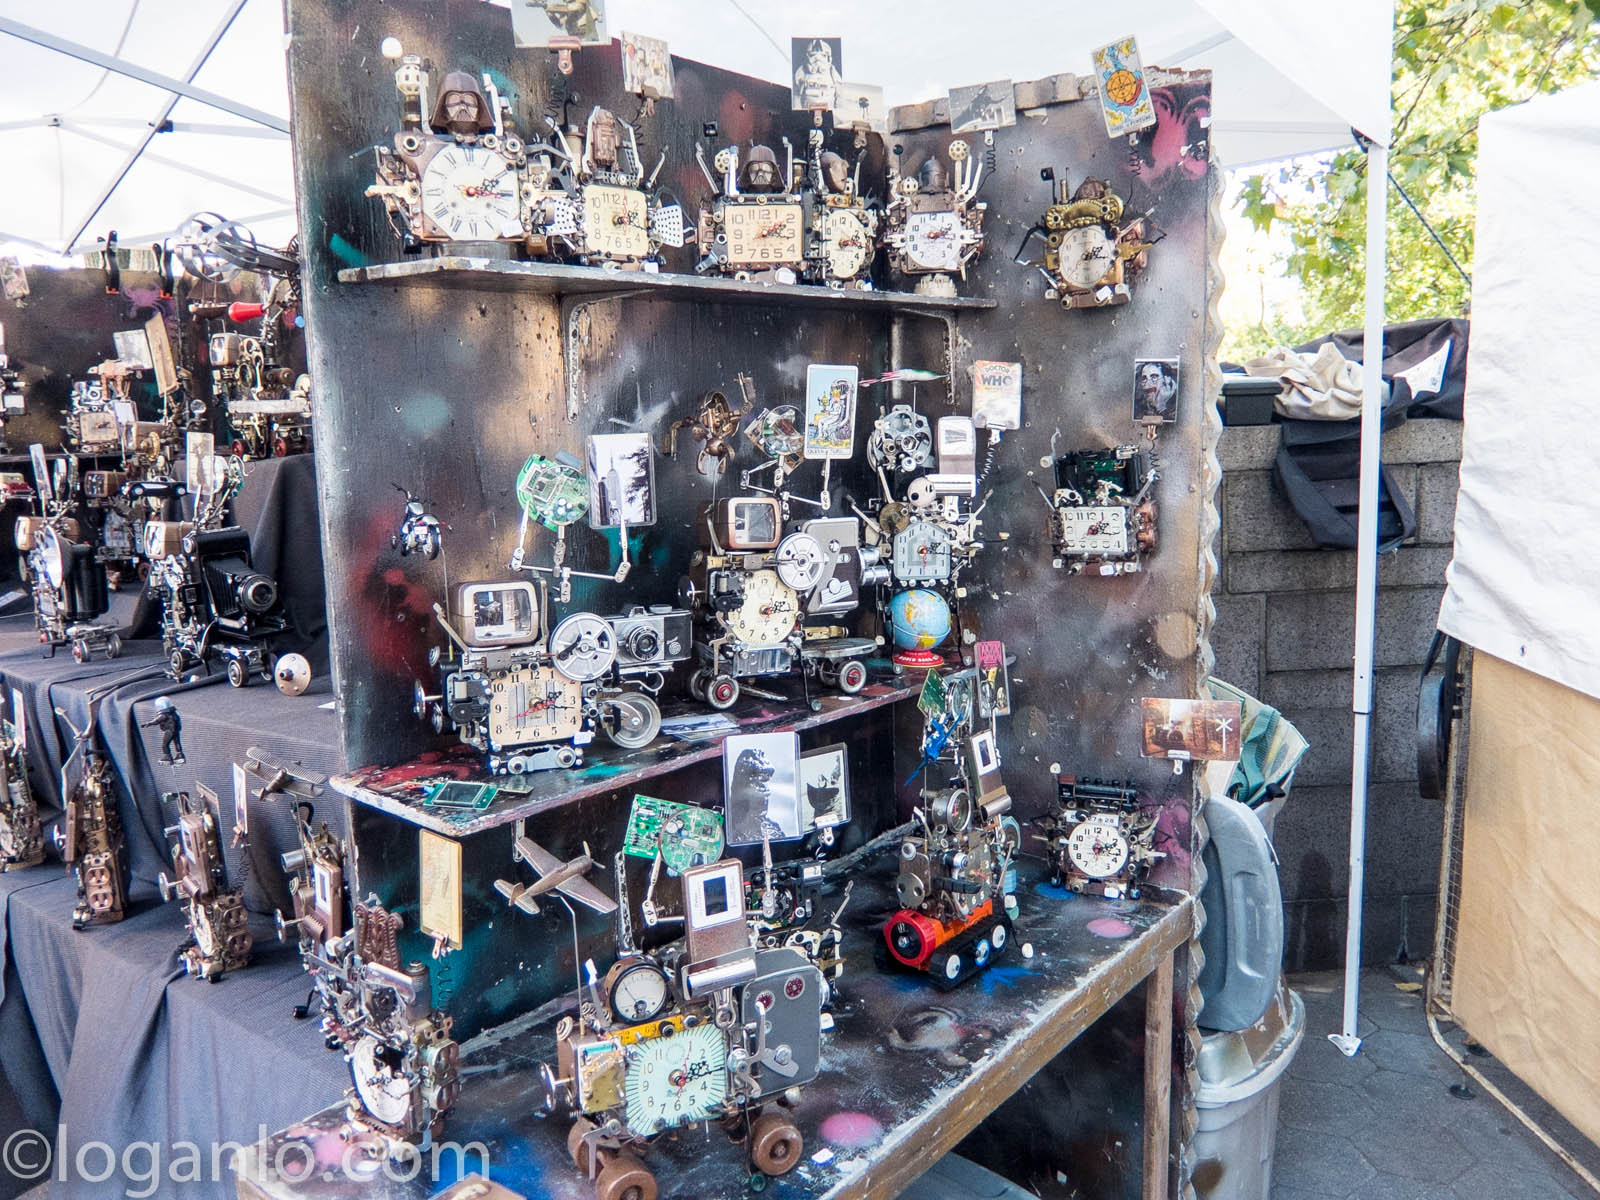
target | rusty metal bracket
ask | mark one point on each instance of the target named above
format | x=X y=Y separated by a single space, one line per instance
x=951 y=347
x=575 y=311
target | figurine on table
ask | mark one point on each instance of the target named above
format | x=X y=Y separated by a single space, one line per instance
x=171 y=726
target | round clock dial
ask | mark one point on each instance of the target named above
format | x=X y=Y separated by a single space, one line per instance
x=800 y=561
x=636 y=990
x=763 y=235
x=1097 y=848
x=471 y=194
x=849 y=246
x=933 y=241
x=676 y=1080
x=1087 y=256
x=922 y=553
x=616 y=221
x=534 y=704
x=583 y=647
x=384 y=1090
x=768 y=613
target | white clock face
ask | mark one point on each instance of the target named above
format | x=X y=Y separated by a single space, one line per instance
x=385 y=1092
x=1097 y=848
x=1095 y=529
x=677 y=1079
x=763 y=235
x=921 y=553
x=768 y=613
x=616 y=221
x=1087 y=256
x=534 y=704
x=471 y=194
x=849 y=246
x=933 y=241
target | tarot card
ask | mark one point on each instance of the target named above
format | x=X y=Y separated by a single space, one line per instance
x=816 y=63
x=760 y=787
x=1191 y=729
x=994 y=682
x=983 y=106
x=997 y=395
x=830 y=411
x=622 y=480
x=646 y=66
x=824 y=787
x=1124 y=92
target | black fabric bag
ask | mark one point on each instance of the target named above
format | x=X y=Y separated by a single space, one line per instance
x=1405 y=346
x=1318 y=468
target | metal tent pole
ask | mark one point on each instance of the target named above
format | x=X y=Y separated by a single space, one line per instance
x=1366 y=580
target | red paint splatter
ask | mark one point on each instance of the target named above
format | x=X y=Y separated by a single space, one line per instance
x=851 y=1130
x=1109 y=927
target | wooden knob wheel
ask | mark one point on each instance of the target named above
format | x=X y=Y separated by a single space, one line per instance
x=625 y=1178
x=775 y=1144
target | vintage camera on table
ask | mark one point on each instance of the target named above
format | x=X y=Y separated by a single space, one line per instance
x=219 y=927
x=70 y=587
x=21 y=839
x=215 y=602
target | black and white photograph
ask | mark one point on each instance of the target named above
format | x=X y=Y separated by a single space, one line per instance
x=760 y=788
x=824 y=787
x=1155 y=390
x=817 y=63
x=622 y=480
x=983 y=106
x=861 y=105
x=547 y=24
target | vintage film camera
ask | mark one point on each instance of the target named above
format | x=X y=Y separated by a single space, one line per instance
x=755 y=592
x=957 y=877
x=90 y=835
x=268 y=406
x=214 y=601
x=1102 y=517
x=62 y=564
x=530 y=702
x=21 y=840
x=935 y=222
x=1091 y=254
x=1101 y=842
x=219 y=927
x=705 y=1029
x=756 y=223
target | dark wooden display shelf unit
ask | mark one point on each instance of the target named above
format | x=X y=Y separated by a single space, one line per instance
x=400 y=790
x=557 y=279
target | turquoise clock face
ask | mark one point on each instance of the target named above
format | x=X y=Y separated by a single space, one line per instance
x=676 y=1080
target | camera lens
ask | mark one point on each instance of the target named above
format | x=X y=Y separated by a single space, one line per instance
x=257 y=593
x=643 y=644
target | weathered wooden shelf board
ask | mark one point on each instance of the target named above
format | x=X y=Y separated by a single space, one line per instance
x=400 y=790
x=882 y=1111
x=559 y=279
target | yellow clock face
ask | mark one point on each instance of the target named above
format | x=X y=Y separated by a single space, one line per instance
x=768 y=613
x=616 y=221
x=849 y=246
x=763 y=235
x=534 y=704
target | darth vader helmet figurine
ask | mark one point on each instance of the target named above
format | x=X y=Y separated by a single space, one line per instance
x=761 y=172
x=462 y=108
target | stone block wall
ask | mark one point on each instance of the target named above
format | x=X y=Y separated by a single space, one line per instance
x=1285 y=631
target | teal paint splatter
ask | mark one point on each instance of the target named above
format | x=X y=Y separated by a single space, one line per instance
x=425 y=415
x=346 y=253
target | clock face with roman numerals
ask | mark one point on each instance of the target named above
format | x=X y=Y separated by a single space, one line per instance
x=471 y=194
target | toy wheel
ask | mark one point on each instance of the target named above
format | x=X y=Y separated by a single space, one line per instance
x=998 y=935
x=175 y=662
x=952 y=967
x=633 y=721
x=827 y=674
x=980 y=952
x=113 y=646
x=697 y=684
x=775 y=1144
x=280 y=448
x=852 y=677
x=80 y=650
x=238 y=673
x=625 y=1178
x=575 y=1143
x=722 y=691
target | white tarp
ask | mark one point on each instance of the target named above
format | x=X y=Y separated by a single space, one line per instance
x=1525 y=582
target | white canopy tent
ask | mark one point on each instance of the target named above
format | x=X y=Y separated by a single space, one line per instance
x=1289 y=79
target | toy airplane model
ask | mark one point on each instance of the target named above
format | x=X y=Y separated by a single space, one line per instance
x=554 y=876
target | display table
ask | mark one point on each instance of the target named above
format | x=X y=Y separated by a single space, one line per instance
x=907 y=1072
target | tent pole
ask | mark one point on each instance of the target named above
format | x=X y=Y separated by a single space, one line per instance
x=1366 y=580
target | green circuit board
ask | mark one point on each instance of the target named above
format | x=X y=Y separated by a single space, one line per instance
x=684 y=835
